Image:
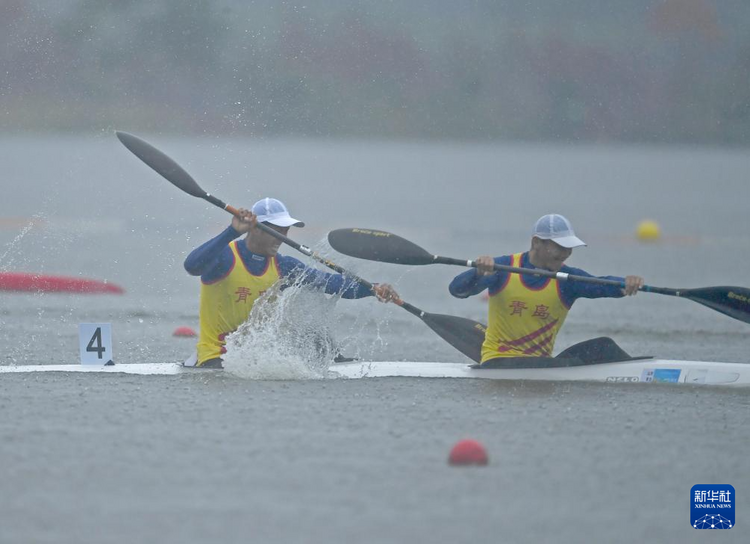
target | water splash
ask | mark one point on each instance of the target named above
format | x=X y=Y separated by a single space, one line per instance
x=5 y=265
x=286 y=337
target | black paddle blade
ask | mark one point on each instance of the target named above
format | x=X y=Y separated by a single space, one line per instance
x=463 y=334
x=731 y=301
x=158 y=161
x=378 y=245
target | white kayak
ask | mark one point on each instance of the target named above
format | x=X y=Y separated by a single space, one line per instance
x=636 y=371
x=633 y=371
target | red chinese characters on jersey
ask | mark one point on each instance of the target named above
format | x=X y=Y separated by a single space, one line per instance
x=242 y=294
x=517 y=307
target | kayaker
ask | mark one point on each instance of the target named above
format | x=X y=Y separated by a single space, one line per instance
x=526 y=312
x=235 y=274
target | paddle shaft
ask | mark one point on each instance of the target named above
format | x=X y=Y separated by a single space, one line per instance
x=177 y=176
x=463 y=334
x=561 y=276
x=382 y=246
x=312 y=254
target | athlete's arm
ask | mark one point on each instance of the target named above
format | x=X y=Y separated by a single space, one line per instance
x=293 y=270
x=472 y=282
x=214 y=258
x=572 y=290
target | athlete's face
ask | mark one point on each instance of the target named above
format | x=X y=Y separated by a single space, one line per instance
x=549 y=255
x=264 y=244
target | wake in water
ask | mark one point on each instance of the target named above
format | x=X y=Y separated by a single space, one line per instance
x=286 y=337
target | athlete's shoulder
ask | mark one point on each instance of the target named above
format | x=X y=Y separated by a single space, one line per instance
x=222 y=267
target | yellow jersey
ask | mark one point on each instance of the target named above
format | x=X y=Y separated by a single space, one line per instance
x=523 y=321
x=226 y=303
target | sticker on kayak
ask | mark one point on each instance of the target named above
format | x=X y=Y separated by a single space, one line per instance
x=622 y=379
x=661 y=375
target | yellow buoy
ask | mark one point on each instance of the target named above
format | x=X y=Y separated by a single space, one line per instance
x=648 y=231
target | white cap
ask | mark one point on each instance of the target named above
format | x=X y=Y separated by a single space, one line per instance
x=558 y=229
x=270 y=210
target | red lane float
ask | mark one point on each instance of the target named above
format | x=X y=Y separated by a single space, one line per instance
x=41 y=283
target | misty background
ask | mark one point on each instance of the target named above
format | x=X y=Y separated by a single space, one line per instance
x=455 y=124
x=673 y=71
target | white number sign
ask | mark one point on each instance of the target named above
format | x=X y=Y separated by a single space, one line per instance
x=95 y=340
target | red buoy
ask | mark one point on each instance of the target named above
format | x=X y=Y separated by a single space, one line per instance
x=41 y=283
x=468 y=452
x=185 y=332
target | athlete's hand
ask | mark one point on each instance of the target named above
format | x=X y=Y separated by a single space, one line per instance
x=632 y=285
x=485 y=265
x=246 y=221
x=386 y=293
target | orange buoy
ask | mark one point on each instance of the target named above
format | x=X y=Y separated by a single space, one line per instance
x=184 y=332
x=468 y=452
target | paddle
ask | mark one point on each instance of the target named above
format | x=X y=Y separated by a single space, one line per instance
x=463 y=334
x=377 y=245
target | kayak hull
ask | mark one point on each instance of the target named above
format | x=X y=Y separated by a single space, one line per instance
x=637 y=371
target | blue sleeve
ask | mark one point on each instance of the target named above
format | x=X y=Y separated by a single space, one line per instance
x=332 y=284
x=573 y=290
x=471 y=283
x=213 y=259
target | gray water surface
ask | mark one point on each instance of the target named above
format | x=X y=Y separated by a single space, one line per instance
x=215 y=458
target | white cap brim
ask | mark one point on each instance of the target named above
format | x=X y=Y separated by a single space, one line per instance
x=568 y=242
x=281 y=220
